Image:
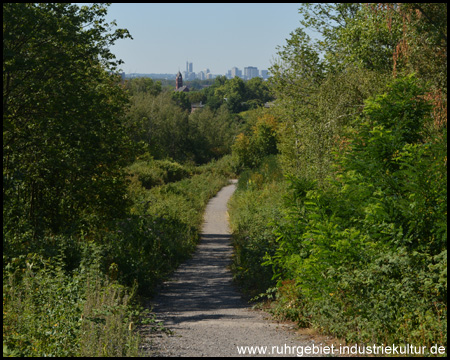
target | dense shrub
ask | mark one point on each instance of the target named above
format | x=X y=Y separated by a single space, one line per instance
x=163 y=227
x=64 y=143
x=211 y=133
x=79 y=240
x=367 y=254
x=48 y=311
x=250 y=149
x=157 y=172
x=64 y=149
x=74 y=296
x=361 y=250
x=257 y=201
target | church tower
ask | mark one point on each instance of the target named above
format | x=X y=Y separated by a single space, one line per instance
x=178 y=81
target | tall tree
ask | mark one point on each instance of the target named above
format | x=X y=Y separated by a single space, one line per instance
x=160 y=123
x=234 y=92
x=63 y=139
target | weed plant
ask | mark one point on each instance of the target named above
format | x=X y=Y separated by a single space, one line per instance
x=152 y=173
x=49 y=312
x=362 y=255
x=79 y=295
x=366 y=254
x=255 y=204
x=163 y=227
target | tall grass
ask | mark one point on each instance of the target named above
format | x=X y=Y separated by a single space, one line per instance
x=79 y=295
x=163 y=227
x=257 y=202
x=49 y=312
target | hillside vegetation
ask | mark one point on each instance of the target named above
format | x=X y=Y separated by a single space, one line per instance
x=340 y=217
x=103 y=187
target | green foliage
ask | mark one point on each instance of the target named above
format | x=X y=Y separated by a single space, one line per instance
x=163 y=228
x=367 y=251
x=422 y=49
x=256 y=202
x=211 y=133
x=62 y=159
x=79 y=240
x=315 y=106
x=357 y=249
x=250 y=150
x=321 y=84
x=224 y=167
x=240 y=95
x=182 y=100
x=354 y=34
x=206 y=93
x=49 y=312
x=234 y=93
x=78 y=301
x=157 y=172
x=64 y=147
x=360 y=252
x=169 y=131
x=143 y=85
x=258 y=93
x=160 y=124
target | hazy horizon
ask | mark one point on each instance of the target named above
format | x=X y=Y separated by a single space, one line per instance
x=213 y=36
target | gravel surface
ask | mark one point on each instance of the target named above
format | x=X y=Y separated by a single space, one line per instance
x=204 y=310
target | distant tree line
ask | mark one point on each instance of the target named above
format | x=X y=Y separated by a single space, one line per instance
x=162 y=118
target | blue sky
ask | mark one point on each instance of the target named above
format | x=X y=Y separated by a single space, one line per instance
x=214 y=36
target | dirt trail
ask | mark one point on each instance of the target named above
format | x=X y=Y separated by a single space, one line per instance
x=203 y=308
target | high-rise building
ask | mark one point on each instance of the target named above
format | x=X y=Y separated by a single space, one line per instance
x=235 y=72
x=189 y=74
x=250 y=72
x=201 y=75
x=205 y=74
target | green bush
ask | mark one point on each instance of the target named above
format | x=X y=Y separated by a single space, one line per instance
x=257 y=201
x=49 y=312
x=367 y=253
x=147 y=174
x=64 y=151
x=76 y=248
x=250 y=150
x=73 y=296
x=163 y=227
x=225 y=166
x=152 y=173
x=147 y=248
x=172 y=170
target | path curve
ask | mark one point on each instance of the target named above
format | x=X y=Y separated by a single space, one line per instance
x=203 y=308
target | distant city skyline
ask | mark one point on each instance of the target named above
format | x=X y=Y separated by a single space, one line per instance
x=248 y=73
x=214 y=36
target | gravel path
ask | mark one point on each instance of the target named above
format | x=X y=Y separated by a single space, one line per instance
x=203 y=309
